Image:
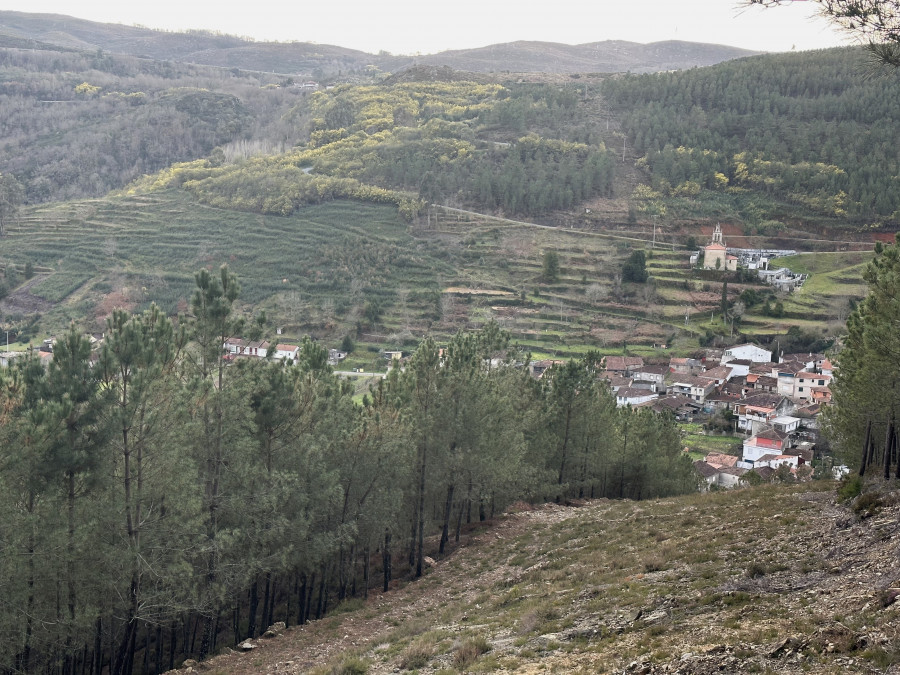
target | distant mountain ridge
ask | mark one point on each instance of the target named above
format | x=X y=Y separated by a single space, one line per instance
x=305 y=58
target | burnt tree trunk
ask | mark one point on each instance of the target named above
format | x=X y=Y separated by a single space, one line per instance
x=386 y=561
x=448 y=507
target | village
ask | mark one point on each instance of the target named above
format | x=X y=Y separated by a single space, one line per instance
x=767 y=403
x=771 y=402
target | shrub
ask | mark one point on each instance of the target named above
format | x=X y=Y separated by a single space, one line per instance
x=466 y=654
x=850 y=487
x=756 y=569
x=417 y=655
x=352 y=665
x=867 y=505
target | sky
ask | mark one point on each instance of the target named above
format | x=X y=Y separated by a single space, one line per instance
x=429 y=26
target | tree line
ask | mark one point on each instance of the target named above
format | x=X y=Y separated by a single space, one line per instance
x=866 y=390
x=815 y=129
x=161 y=502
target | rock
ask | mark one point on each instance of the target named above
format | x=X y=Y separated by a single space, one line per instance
x=189 y=663
x=781 y=648
x=429 y=562
x=246 y=646
x=635 y=615
x=657 y=616
x=275 y=629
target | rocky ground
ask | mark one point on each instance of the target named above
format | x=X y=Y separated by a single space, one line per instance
x=768 y=579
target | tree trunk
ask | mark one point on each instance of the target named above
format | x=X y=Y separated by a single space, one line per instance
x=309 y=598
x=301 y=601
x=445 y=532
x=412 y=539
x=865 y=453
x=70 y=568
x=896 y=453
x=420 y=544
x=386 y=561
x=215 y=633
x=564 y=450
x=320 y=605
x=253 y=607
x=266 y=600
x=173 y=643
x=158 y=660
x=145 y=667
x=887 y=450
x=366 y=560
x=274 y=583
x=98 y=647
x=25 y=662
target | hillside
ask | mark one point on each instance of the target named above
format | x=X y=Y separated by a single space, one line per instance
x=318 y=60
x=684 y=585
x=610 y=56
x=808 y=135
x=320 y=271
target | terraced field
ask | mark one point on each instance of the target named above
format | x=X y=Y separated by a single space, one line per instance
x=347 y=268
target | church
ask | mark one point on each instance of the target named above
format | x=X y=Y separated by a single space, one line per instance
x=715 y=255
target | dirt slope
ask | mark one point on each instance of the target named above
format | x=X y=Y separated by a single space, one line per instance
x=769 y=579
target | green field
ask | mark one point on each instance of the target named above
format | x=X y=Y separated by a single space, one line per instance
x=699 y=444
x=351 y=268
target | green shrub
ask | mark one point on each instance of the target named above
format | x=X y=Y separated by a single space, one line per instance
x=466 y=653
x=850 y=487
x=867 y=505
x=351 y=665
x=417 y=655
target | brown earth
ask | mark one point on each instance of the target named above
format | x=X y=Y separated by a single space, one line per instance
x=23 y=301
x=769 y=579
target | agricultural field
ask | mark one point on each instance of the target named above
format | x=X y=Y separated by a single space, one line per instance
x=346 y=268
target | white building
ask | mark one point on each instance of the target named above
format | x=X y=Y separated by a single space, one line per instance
x=747 y=352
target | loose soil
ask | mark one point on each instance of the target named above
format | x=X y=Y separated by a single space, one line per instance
x=23 y=301
x=768 y=579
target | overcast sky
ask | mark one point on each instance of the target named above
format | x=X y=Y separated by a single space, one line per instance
x=428 y=26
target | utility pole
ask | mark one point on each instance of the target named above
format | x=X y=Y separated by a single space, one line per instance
x=655 y=219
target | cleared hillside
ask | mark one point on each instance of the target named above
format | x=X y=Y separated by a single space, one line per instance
x=687 y=585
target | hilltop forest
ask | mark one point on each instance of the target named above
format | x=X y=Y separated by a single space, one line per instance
x=816 y=130
x=212 y=500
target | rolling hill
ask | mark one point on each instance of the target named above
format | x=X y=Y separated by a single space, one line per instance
x=310 y=59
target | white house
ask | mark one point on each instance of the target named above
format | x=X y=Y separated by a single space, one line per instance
x=806 y=384
x=722 y=477
x=739 y=367
x=774 y=461
x=786 y=424
x=632 y=396
x=746 y=352
x=696 y=388
x=654 y=375
x=768 y=442
x=286 y=352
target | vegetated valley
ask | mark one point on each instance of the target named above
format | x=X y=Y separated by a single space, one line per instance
x=169 y=504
